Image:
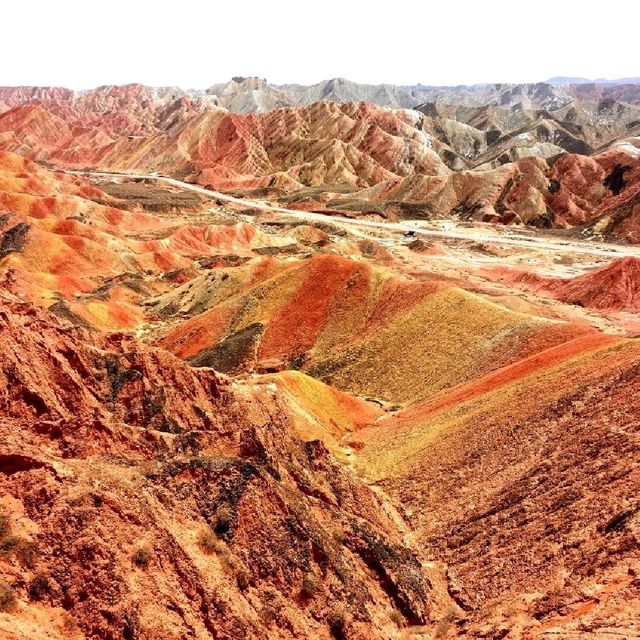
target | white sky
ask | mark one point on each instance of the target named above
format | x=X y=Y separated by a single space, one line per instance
x=193 y=44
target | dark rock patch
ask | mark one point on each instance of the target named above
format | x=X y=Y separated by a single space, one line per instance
x=14 y=239
x=233 y=352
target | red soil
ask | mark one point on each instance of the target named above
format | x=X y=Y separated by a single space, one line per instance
x=297 y=324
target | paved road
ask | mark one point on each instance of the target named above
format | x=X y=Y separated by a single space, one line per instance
x=538 y=242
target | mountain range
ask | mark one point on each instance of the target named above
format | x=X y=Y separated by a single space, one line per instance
x=341 y=362
x=252 y=94
x=518 y=158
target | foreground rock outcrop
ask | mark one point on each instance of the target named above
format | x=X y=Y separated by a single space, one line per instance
x=125 y=472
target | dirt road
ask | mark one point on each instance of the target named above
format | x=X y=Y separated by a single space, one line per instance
x=494 y=235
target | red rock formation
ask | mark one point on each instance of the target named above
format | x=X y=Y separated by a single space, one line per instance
x=118 y=462
x=354 y=156
x=341 y=321
x=593 y=91
x=614 y=287
x=59 y=242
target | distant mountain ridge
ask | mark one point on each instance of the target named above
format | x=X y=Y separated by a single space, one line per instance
x=257 y=95
x=533 y=153
x=563 y=80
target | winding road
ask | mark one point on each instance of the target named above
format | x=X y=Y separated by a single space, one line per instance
x=537 y=242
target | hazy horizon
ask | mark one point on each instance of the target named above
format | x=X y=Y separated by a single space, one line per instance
x=80 y=46
x=416 y=84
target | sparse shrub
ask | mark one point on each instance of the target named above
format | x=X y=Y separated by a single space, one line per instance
x=97 y=500
x=39 y=587
x=7 y=597
x=24 y=550
x=397 y=618
x=8 y=543
x=242 y=579
x=188 y=442
x=337 y=622
x=309 y=587
x=26 y=553
x=131 y=625
x=340 y=536
x=443 y=626
x=267 y=615
x=450 y=615
x=5 y=525
x=207 y=541
x=224 y=516
x=69 y=624
x=142 y=556
x=226 y=558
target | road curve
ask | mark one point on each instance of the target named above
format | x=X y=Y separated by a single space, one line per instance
x=539 y=242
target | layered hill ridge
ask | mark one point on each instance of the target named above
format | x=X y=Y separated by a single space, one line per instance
x=529 y=154
x=490 y=135
x=512 y=489
x=61 y=245
x=359 y=328
x=129 y=109
x=492 y=164
x=353 y=144
x=250 y=94
x=557 y=112
x=614 y=287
